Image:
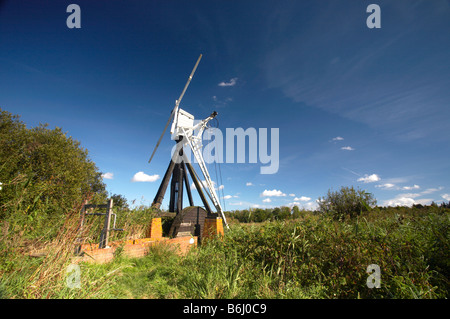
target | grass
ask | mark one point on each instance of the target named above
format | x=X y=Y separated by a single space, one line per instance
x=310 y=257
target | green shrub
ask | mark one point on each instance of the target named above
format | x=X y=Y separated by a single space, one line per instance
x=347 y=202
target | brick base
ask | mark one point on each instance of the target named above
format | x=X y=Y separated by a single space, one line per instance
x=155 y=229
x=213 y=227
x=133 y=248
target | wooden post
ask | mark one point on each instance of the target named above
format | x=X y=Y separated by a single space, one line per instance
x=213 y=227
x=105 y=232
x=186 y=183
x=198 y=187
x=164 y=183
x=155 y=229
x=81 y=228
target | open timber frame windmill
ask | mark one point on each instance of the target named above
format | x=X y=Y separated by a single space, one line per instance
x=186 y=133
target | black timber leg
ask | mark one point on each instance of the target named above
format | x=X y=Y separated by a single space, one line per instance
x=186 y=184
x=198 y=187
x=164 y=183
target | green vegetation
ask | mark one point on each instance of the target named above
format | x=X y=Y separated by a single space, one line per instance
x=267 y=253
x=313 y=256
x=44 y=176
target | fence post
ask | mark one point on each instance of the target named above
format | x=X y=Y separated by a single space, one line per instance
x=105 y=232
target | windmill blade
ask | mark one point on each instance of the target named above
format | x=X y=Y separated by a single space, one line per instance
x=177 y=103
x=160 y=138
x=175 y=109
x=189 y=80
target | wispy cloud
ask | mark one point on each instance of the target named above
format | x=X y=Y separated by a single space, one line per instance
x=142 y=177
x=338 y=138
x=232 y=82
x=347 y=148
x=219 y=103
x=404 y=103
x=432 y=190
x=249 y=184
x=386 y=186
x=411 y=187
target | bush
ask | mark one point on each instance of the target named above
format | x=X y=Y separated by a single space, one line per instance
x=44 y=174
x=347 y=202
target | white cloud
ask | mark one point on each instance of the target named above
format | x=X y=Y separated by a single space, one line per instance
x=411 y=187
x=386 y=186
x=302 y=199
x=338 y=138
x=292 y=195
x=407 y=200
x=369 y=178
x=308 y=205
x=231 y=83
x=108 y=175
x=249 y=184
x=273 y=192
x=227 y=197
x=424 y=201
x=446 y=196
x=267 y=200
x=142 y=177
x=400 y=201
x=347 y=148
x=221 y=187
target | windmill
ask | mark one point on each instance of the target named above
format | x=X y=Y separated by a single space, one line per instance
x=185 y=133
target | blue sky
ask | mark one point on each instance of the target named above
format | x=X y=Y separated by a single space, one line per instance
x=354 y=106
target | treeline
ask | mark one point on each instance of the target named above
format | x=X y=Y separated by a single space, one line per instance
x=258 y=215
x=347 y=203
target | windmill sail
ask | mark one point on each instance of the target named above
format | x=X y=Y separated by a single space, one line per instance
x=174 y=112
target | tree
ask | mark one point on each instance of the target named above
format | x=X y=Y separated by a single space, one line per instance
x=347 y=202
x=42 y=170
x=119 y=201
x=295 y=212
